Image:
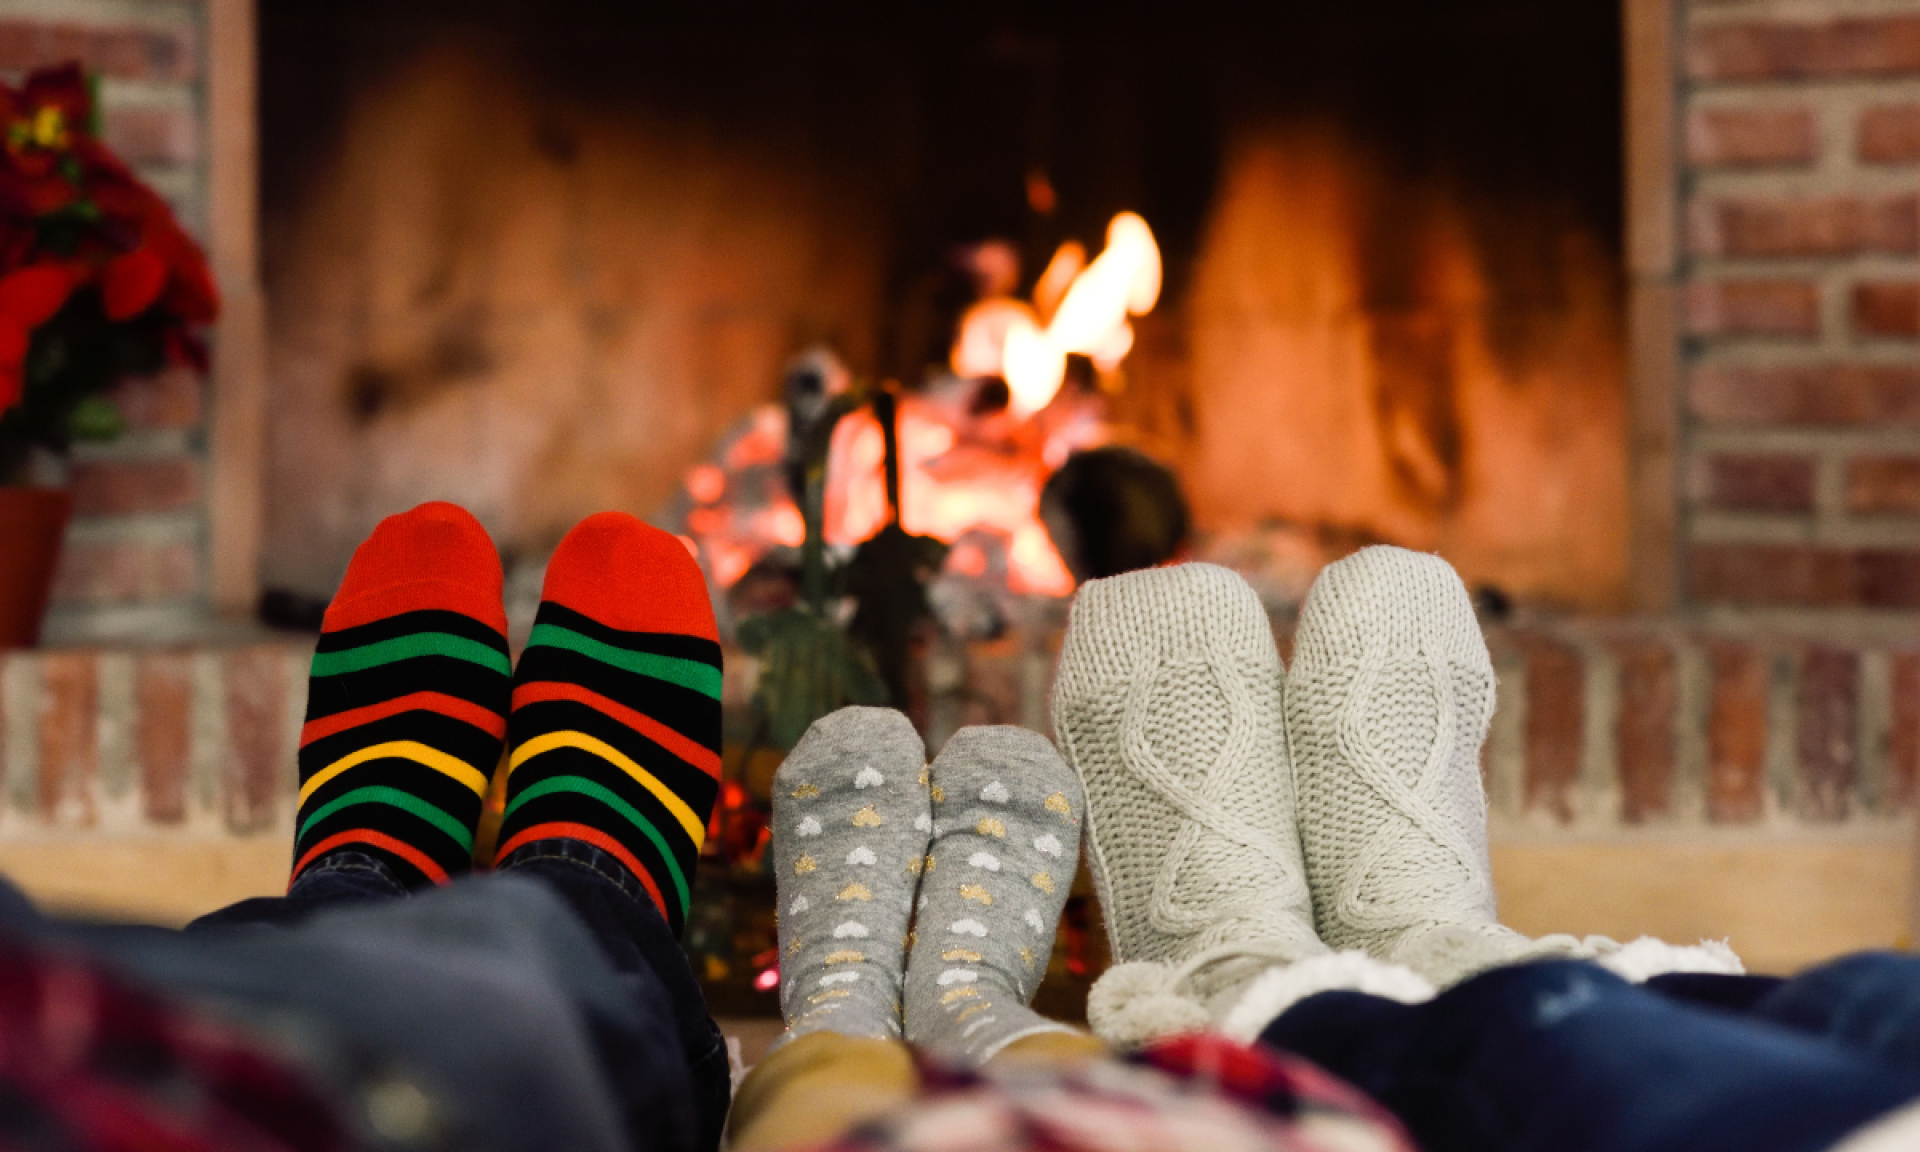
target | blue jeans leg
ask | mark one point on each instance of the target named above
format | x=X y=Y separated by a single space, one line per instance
x=1566 y=1057
x=1869 y=1002
x=632 y=935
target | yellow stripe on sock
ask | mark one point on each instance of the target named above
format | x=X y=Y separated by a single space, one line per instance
x=547 y=742
x=399 y=750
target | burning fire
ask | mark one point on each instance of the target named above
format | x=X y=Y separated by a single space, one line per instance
x=1077 y=308
x=962 y=473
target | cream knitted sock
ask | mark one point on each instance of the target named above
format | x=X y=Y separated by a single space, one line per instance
x=1386 y=706
x=1167 y=706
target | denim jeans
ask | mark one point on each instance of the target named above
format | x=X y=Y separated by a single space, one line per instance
x=1566 y=1057
x=545 y=1007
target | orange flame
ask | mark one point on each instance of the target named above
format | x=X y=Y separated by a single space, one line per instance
x=1086 y=310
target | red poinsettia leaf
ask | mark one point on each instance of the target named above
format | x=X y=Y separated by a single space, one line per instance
x=191 y=294
x=33 y=294
x=131 y=282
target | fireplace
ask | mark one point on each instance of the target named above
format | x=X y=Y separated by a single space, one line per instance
x=542 y=262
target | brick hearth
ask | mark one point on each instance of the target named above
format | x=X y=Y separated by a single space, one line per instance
x=1600 y=724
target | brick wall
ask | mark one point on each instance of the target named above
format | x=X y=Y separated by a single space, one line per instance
x=194 y=739
x=134 y=562
x=1801 y=137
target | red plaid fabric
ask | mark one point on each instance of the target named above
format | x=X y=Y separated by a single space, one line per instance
x=1190 y=1092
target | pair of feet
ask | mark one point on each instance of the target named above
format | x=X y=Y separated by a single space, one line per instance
x=976 y=852
x=1257 y=835
x=612 y=715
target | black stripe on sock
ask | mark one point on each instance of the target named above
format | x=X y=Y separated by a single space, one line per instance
x=693 y=715
x=676 y=644
x=456 y=738
x=409 y=623
x=429 y=784
x=404 y=826
x=327 y=695
x=584 y=764
x=698 y=789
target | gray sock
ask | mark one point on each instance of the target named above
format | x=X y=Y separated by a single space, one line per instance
x=1006 y=813
x=850 y=831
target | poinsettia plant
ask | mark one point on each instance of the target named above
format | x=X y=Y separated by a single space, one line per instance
x=98 y=280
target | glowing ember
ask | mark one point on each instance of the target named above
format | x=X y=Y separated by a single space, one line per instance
x=963 y=473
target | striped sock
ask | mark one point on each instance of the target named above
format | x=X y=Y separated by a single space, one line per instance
x=406 y=707
x=616 y=710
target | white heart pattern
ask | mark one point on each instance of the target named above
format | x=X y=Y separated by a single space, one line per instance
x=994 y=793
x=832 y=978
x=969 y=928
x=861 y=855
x=1047 y=843
x=1033 y=920
x=923 y=823
x=809 y=827
x=957 y=976
x=851 y=928
x=868 y=777
x=800 y=904
x=984 y=860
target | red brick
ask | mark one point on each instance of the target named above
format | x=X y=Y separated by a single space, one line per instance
x=1903 y=744
x=1752 y=137
x=1556 y=717
x=1649 y=699
x=1737 y=733
x=1755 y=483
x=1778 y=50
x=163 y=687
x=69 y=734
x=168 y=400
x=126 y=571
x=1886 y=308
x=151 y=135
x=123 y=487
x=1883 y=484
x=124 y=52
x=256 y=703
x=1890 y=134
x=1747 y=228
x=1802 y=576
x=1753 y=308
x=1807 y=394
x=1829 y=731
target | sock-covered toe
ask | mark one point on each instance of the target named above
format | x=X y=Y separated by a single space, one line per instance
x=1006 y=814
x=616 y=711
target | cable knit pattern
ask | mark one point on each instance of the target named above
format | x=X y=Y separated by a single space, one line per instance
x=1167 y=706
x=1386 y=707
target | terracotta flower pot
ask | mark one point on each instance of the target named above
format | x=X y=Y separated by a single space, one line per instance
x=32 y=521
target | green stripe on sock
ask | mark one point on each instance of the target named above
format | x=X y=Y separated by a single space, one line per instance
x=408 y=647
x=405 y=801
x=598 y=792
x=690 y=674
